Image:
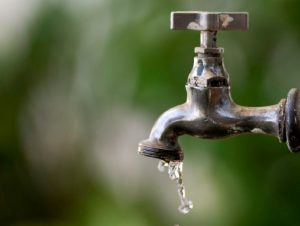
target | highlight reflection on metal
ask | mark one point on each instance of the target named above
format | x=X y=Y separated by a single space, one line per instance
x=209 y=111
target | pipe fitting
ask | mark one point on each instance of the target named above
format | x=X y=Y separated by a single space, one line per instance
x=209 y=111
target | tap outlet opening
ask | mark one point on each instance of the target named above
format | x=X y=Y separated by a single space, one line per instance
x=160 y=151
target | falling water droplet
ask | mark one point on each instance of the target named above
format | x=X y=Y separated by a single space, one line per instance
x=162 y=165
x=175 y=173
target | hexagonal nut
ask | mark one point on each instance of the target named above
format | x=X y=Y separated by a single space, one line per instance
x=208 y=50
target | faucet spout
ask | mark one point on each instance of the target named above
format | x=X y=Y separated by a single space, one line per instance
x=209 y=113
x=162 y=142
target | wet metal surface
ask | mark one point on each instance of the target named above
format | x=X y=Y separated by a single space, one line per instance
x=209 y=111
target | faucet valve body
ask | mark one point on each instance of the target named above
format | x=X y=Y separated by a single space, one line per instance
x=209 y=111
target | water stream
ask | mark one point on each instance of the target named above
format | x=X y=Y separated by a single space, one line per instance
x=175 y=173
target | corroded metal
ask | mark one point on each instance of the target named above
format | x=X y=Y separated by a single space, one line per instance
x=209 y=111
x=209 y=21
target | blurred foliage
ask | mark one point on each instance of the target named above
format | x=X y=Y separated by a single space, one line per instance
x=86 y=77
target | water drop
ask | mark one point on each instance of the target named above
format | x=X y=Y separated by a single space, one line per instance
x=175 y=173
x=162 y=165
x=175 y=170
x=186 y=207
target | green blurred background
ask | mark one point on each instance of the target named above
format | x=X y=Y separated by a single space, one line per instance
x=82 y=82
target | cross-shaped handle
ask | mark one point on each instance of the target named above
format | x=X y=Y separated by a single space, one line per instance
x=209 y=21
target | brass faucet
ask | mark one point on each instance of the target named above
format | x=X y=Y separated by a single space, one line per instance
x=209 y=111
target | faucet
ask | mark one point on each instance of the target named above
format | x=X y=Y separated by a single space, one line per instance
x=209 y=111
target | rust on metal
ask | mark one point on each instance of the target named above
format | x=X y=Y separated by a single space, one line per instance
x=209 y=111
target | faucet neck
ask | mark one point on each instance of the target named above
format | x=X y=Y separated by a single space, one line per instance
x=208 y=44
x=208 y=71
x=208 y=39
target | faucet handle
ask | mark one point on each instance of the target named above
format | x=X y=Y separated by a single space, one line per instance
x=209 y=21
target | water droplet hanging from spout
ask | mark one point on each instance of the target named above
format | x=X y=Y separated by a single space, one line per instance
x=175 y=173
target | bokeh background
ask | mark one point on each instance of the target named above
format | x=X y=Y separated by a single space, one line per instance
x=82 y=82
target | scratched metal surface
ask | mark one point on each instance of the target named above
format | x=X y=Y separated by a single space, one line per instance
x=209 y=111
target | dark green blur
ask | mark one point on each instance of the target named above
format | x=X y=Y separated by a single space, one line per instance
x=84 y=81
